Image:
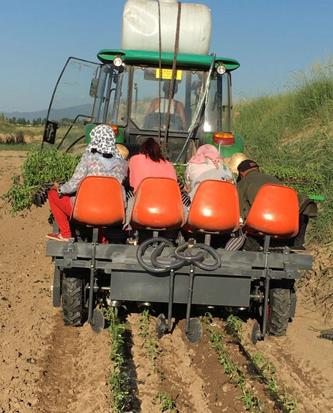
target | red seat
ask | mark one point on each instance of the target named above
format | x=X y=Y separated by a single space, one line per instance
x=215 y=207
x=99 y=201
x=275 y=212
x=158 y=204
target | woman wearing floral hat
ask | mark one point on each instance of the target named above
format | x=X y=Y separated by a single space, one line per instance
x=101 y=158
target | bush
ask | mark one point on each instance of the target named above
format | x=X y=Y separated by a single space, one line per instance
x=290 y=136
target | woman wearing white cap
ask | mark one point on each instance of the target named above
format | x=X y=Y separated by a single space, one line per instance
x=101 y=158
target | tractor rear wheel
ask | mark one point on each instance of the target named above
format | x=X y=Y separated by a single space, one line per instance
x=72 y=300
x=279 y=310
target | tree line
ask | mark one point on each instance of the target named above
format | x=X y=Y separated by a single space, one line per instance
x=22 y=121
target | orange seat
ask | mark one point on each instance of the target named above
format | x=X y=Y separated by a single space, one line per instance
x=215 y=207
x=275 y=211
x=99 y=201
x=158 y=204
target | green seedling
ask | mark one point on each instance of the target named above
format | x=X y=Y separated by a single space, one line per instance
x=167 y=404
x=236 y=376
x=40 y=168
x=119 y=380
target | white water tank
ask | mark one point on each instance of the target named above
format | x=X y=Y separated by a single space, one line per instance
x=140 y=26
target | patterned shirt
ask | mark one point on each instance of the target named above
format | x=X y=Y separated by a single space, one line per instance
x=196 y=173
x=94 y=164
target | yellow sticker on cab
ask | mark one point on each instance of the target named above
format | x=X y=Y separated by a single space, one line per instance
x=167 y=74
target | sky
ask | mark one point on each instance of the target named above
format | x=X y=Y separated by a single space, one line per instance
x=272 y=39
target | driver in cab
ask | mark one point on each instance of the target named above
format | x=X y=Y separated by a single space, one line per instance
x=161 y=105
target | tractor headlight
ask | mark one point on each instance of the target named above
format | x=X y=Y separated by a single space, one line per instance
x=221 y=69
x=117 y=61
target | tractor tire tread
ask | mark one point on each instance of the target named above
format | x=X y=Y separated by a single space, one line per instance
x=72 y=301
x=280 y=302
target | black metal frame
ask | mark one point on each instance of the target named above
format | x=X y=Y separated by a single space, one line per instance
x=228 y=285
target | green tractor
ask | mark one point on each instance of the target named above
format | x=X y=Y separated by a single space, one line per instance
x=121 y=89
x=182 y=100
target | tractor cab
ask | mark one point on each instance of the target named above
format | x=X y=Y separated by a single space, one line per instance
x=182 y=103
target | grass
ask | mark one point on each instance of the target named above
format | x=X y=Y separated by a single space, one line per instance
x=18 y=146
x=7 y=128
x=291 y=136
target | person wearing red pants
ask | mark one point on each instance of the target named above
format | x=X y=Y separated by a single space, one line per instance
x=101 y=158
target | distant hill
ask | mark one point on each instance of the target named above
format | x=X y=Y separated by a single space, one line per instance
x=57 y=114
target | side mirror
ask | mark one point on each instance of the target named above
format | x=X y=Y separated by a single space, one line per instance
x=93 y=88
x=50 y=132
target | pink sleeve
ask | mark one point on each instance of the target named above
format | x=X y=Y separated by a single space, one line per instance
x=133 y=178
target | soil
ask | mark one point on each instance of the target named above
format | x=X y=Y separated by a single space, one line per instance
x=47 y=367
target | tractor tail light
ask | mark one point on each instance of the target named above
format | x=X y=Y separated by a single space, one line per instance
x=115 y=129
x=224 y=138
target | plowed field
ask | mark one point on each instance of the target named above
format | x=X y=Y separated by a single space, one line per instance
x=46 y=367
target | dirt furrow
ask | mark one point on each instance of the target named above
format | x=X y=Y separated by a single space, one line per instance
x=75 y=371
x=176 y=359
x=147 y=378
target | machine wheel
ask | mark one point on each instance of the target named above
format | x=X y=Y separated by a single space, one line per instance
x=72 y=301
x=56 y=291
x=161 y=326
x=194 y=333
x=279 y=311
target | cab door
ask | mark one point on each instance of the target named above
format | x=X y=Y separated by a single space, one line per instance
x=72 y=104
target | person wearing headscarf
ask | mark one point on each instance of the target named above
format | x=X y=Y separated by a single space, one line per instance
x=101 y=158
x=205 y=164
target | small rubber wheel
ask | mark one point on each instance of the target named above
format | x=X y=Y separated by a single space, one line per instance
x=98 y=320
x=256 y=333
x=161 y=326
x=194 y=332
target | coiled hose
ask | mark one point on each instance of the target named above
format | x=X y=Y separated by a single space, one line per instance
x=185 y=254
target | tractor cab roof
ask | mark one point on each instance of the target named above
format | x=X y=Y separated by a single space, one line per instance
x=184 y=60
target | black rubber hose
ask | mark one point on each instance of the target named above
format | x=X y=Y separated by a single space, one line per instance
x=142 y=249
x=188 y=258
x=213 y=254
x=177 y=263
